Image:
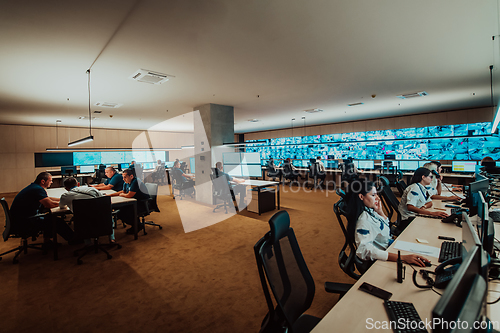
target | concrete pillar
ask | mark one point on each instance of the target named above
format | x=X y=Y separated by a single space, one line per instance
x=213 y=126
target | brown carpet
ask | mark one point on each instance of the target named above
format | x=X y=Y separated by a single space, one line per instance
x=168 y=280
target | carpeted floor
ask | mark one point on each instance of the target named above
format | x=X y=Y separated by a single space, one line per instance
x=168 y=280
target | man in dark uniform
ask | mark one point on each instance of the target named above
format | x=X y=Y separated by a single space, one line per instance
x=235 y=188
x=132 y=188
x=29 y=201
x=114 y=181
x=185 y=181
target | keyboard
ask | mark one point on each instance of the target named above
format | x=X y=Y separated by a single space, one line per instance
x=430 y=216
x=407 y=314
x=450 y=250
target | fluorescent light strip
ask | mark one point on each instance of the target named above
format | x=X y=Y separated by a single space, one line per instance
x=495 y=121
x=84 y=140
x=104 y=149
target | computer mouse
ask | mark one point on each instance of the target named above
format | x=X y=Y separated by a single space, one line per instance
x=427 y=263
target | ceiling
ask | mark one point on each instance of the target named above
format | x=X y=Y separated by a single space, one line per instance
x=270 y=59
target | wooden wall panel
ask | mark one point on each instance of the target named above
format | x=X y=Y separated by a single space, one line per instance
x=8 y=181
x=24 y=177
x=359 y=126
x=7 y=161
x=24 y=160
x=402 y=122
x=8 y=139
x=44 y=137
x=25 y=139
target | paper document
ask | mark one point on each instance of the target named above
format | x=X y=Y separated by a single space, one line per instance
x=425 y=250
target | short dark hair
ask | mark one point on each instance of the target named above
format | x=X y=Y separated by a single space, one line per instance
x=70 y=183
x=437 y=163
x=111 y=168
x=129 y=172
x=419 y=173
x=42 y=176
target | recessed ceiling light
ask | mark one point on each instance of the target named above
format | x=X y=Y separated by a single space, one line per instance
x=253 y=120
x=355 y=104
x=313 y=110
x=83 y=117
x=411 y=95
x=108 y=105
x=147 y=76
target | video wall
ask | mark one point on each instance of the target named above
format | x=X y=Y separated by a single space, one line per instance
x=117 y=157
x=451 y=142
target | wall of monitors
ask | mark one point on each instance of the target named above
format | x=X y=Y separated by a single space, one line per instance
x=450 y=142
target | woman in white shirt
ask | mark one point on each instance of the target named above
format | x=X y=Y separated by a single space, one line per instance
x=416 y=199
x=369 y=226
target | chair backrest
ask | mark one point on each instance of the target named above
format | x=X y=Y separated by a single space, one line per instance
x=313 y=169
x=220 y=187
x=341 y=193
x=287 y=168
x=392 y=203
x=153 y=194
x=92 y=217
x=8 y=220
x=401 y=186
x=348 y=171
x=285 y=269
x=347 y=260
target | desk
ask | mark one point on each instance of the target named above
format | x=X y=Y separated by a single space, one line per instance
x=263 y=183
x=116 y=202
x=357 y=309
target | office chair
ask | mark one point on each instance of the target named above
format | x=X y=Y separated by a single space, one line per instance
x=289 y=173
x=151 y=205
x=341 y=193
x=391 y=205
x=222 y=191
x=391 y=173
x=401 y=186
x=273 y=173
x=317 y=175
x=159 y=175
x=282 y=267
x=177 y=184
x=10 y=232
x=92 y=219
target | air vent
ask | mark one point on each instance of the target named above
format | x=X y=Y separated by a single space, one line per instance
x=355 y=104
x=253 y=120
x=412 y=95
x=147 y=76
x=313 y=110
x=108 y=105
x=83 y=117
x=97 y=111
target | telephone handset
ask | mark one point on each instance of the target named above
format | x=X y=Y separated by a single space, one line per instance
x=444 y=273
x=435 y=173
x=454 y=218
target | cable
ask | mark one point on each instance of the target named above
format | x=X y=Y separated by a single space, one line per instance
x=451 y=190
x=90 y=113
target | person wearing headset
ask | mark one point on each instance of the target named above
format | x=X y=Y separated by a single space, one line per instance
x=435 y=186
x=369 y=226
x=416 y=199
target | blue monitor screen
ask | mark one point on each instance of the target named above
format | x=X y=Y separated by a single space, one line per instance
x=169 y=164
x=87 y=169
x=231 y=158
x=112 y=157
x=366 y=165
x=68 y=170
x=192 y=163
x=86 y=158
x=463 y=166
x=408 y=165
x=251 y=170
x=124 y=166
x=148 y=166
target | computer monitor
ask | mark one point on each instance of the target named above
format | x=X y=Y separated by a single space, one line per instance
x=421 y=163
x=332 y=164
x=486 y=229
x=251 y=170
x=470 y=237
x=124 y=166
x=68 y=171
x=408 y=165
x=234 y=170
x=148 y=166
x=463 y=166
x=389 y=156
x=192 y=163
x=478 y=186
x=169 y=164
x=454 y=299
x=87 y=169
x=366 y=165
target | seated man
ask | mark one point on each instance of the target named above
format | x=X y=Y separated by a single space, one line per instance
x=185 y=181
x=321 y=172
x=236 y=188
x=272 y=171
x=29 y=202
x=114 y=181
x=132 y=188
x=75 y=192
x=159 y=173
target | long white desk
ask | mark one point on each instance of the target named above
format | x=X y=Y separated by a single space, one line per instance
x=358 y=311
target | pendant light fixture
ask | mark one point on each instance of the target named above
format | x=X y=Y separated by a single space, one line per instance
x=90 y=137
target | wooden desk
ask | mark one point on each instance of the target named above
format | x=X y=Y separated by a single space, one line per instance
x=357 y=310
x=263 y=183
x=116 y=202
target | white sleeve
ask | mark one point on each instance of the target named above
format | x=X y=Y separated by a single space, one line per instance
x=65 y=199
x=412 y=197
x=364 y=236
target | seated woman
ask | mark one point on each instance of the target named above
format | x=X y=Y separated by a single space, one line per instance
x=416 y=199
x=369 y=226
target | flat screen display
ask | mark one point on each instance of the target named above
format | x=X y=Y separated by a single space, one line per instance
x=192 y=163
x=463 y=166
x=148 y=166
x=234 y=170
x=231 y=158
x=87 y=158
x=251 y=170
x=408 y=165
x=87 y=169
x=112 y=157
x=169 y=164
x=366 y=165
x=44 y=160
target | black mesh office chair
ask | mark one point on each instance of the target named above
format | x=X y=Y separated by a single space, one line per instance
x=289 y=173
x=391 y=205
x=92 y=219
x=282 y=266
x=11 y=232
x=222 y=191
x=401 y=186
x=150 y=205
x=390 y=172
x=273 y=173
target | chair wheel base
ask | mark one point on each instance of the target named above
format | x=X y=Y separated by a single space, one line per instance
x=160 y=227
